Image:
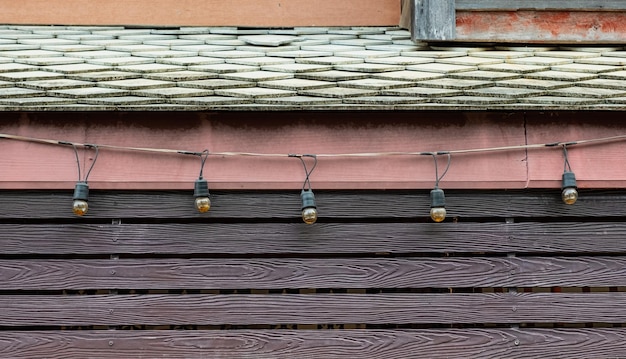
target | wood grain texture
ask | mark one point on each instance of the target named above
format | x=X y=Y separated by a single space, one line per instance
x=271 y=206
x=202 y=12
x=580 y=5
x=288 y=344
x=544 y=26
x=433 y=20
x=404 y=308
x=338 y=273
x=212 y=239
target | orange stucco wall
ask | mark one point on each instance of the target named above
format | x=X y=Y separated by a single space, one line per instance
x=31 y=165
x=275 y=13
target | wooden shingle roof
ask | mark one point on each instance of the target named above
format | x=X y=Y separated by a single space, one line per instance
x=58 y=68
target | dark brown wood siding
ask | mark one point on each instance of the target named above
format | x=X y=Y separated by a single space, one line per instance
x=508 y=274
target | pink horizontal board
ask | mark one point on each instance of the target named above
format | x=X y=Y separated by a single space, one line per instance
x=541 y=26
x=274 y=13
x=595 y=165
x=48 y=166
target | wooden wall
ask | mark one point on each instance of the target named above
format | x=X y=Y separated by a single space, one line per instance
x=529 y=21
x=246 y=13
x=509 y=274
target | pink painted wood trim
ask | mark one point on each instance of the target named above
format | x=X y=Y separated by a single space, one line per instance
x=595 y=166
x=541 y=26
x=27 y=165
x=275 y=13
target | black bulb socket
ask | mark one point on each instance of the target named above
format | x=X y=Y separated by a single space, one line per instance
x=201 y=188
x=308 y=199
x=437 y=198
x=569 y=180
x=81 y=191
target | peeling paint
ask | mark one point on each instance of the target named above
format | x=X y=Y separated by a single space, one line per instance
x=545 y=26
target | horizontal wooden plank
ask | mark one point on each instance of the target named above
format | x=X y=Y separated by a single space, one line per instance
x=546 y=26
x=580 y=5
x=174 y=273
x=392 y=344
x=214 y=239
x=414 y=205
x=403 y=308
x=247 y=13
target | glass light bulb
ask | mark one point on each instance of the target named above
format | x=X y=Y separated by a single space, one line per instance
x=309 y=215
x=569 y=195
x=438 y=214
x=80 y=207
x=203 y=204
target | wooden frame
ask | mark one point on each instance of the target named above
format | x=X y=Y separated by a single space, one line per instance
x=561 y=21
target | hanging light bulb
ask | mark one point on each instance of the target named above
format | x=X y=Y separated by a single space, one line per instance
x=201 y=193
x=437 y=205
x=309 y=210
x=81 y=197
x=201 y=187
x=569 y=192
x=437 y=197
x=80 y=206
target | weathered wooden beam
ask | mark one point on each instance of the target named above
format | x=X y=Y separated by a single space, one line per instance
x=549 y=26
x=274 y=13
x=433 y=20
x=435 y=343
x=252 y=309
x=514 y=5
x=338 y=273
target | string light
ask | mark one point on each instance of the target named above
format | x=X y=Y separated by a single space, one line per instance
x=309 y=209
x=437 y=197
x=569 y=192
x=201 y=187
x=201 y=191
x=80 y=204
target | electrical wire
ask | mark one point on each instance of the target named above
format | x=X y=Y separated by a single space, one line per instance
x=95 y=158
x=363 y=154
x=566 y=165
x=203 y=157
x=437 y=177
x=307 y=171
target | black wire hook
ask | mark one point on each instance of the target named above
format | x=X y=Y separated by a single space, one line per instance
x=307 y=172
x=437 y=177
x=203 y=157
x=95 y=158
x=566 y=165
